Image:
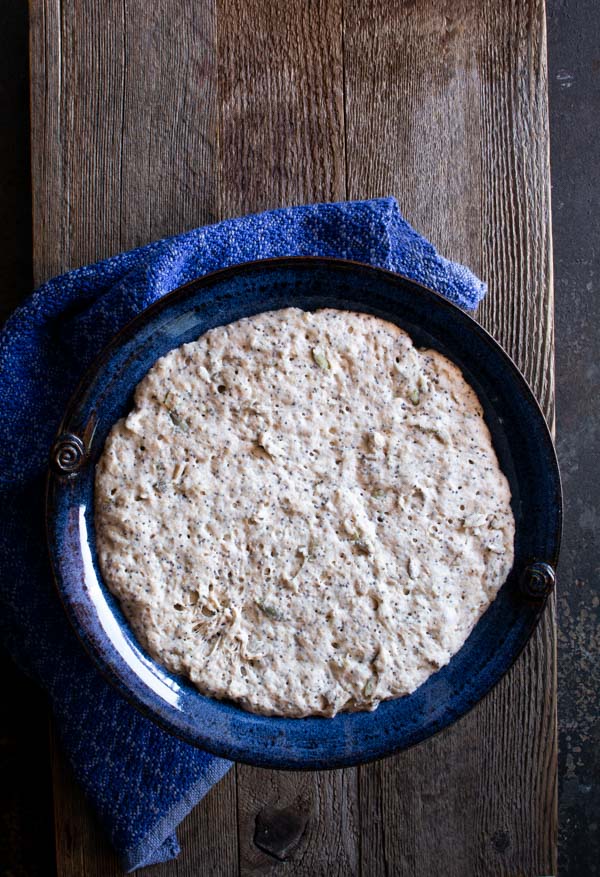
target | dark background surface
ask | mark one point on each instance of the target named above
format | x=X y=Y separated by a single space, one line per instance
x=574 y=63
x=26 y=830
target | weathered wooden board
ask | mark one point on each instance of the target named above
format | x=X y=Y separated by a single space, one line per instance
x=150 y=118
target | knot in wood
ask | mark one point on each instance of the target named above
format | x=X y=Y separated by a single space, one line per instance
x=278 y=831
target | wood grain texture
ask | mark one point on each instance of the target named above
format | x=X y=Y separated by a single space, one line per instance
x=281 y=141
x=454 y=96
x=324 y=806
x=123 y=114
x=124 y=125
x=47 y=195
x=151 y=118
x=281 y=133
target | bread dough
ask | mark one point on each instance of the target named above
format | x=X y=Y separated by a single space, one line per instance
x=303 y=513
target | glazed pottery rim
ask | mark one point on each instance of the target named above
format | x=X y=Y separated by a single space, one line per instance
x=129 y=332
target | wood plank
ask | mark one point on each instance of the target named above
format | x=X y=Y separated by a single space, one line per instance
x=124 y=118
x=281 y=132
x=47 y=191
x=123 y=151
x=454 y=98
x=168 y=149
x=298 y=823
x=137 y=134
x=281 y=141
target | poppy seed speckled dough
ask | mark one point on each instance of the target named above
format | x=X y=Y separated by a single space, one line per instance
x=303 y=513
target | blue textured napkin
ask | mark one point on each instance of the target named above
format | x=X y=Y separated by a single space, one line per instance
x=140 y=780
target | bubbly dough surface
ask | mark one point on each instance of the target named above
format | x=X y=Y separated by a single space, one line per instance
x=303 y=513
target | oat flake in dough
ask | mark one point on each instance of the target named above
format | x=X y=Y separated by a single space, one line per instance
x=303 y=513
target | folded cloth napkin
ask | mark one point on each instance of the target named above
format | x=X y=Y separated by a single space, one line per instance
x=140 y=780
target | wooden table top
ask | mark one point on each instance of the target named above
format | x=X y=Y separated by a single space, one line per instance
x=149 y=118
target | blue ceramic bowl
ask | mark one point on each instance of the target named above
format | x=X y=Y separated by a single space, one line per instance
x=521 y=440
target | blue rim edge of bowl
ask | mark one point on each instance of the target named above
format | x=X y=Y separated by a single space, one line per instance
x=240 y=753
